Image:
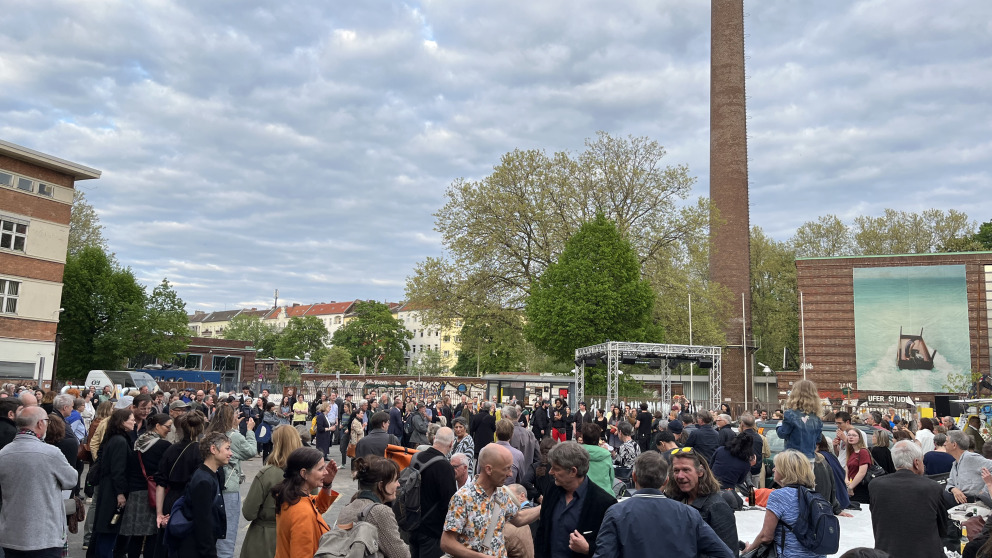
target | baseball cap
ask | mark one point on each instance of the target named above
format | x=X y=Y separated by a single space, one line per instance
x=675 y=426
x=124 y=402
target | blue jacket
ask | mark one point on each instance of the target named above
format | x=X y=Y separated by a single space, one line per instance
x=636 y=527
x=800 y=432
x=396 y=422
x=704 y=440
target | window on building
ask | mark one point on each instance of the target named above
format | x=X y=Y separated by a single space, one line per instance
x=458 y=323
x=25 y=184
x=447 y=338
x=46 y=189
x=458 y=339
x=188 y=361
x=421 y=333
x=413 y=348
x=337 y=319
x=437 y=347
x=6 y=179
x=9 y=291
x=447 y=354
x=13 y=234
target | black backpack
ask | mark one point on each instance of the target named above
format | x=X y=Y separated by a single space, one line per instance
x=816 y=528
x=406 y=506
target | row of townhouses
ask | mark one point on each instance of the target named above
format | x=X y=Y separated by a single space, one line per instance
x=446 y=341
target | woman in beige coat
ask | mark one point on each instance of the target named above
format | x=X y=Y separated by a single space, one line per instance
x=259 y=507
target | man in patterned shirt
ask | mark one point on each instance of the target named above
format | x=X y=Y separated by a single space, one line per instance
x=479 y=511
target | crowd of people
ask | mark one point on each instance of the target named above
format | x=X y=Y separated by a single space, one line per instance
x=493 y=479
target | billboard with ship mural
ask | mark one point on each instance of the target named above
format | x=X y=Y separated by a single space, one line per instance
x=911 y=327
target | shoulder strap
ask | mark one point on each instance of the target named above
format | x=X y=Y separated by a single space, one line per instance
x=176 y=462
x=491 y=530
x=365 y=511
x=423 y=465
x=142 y=463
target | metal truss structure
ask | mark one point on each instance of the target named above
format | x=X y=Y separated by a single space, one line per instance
x=613 y=353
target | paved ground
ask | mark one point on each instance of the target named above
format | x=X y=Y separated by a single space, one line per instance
x=343 y=484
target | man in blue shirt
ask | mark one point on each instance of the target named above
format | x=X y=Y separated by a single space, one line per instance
x=633 y=527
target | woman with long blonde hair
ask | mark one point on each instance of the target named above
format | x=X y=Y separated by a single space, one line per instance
x=801 y=425
x=792 y=470
x=259 y=505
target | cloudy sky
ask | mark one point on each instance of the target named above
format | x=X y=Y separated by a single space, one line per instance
x=249 y=145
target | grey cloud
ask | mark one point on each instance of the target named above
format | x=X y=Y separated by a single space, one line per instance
x=302 y=146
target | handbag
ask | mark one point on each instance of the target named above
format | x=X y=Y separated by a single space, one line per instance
x=351 y=451
x=83 y=453
x=150 y=481
x=766 y=550
x=75 y=513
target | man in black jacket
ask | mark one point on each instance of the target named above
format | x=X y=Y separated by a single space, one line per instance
x=375 y=442
x=541 y=419
x=437 y=487
x=69 y=444
x=572 y=509
x=581 y=417
x=900 y=532
x=8 y=414
x=704 y=439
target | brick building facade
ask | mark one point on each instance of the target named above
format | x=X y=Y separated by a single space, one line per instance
x=36 y=193
x=827 y=286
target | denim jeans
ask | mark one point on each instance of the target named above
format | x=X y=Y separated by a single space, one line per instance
x=232 y=506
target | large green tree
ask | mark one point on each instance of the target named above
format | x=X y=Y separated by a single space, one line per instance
x=502 y=231
x=774 y=302
x=594 y=292
x=103 y=324
x=254 y=330
x=301 y=336
x=165 y=328
x=338 y=360
x=375 y=338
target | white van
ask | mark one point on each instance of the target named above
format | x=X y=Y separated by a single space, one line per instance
x=120 y=380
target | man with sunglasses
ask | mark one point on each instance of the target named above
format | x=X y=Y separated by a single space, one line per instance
x=695 y=485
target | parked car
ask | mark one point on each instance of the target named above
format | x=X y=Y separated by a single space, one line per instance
x=777 y=444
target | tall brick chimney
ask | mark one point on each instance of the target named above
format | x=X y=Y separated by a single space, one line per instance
x=730 y=255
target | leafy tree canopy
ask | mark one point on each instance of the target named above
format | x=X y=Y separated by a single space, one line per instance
x=338 y=360
x=504 y=230
x=254 y=330
x=594 y=292
x=109 y=318
x=894 y=232
x=375 y=338
x=301 y=336
x=84 y=226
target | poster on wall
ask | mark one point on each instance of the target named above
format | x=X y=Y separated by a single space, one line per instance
x=911 y=327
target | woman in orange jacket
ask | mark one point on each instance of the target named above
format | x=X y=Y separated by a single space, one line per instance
x=299 y=516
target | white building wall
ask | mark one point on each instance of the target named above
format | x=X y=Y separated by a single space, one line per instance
x=40 y=355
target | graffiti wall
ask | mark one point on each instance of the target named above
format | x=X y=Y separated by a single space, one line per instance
x=383 y=385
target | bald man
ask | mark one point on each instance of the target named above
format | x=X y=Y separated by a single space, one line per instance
x=33 y=475
x=28 y=399
x=467 y=522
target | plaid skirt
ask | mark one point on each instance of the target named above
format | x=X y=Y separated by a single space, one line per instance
x=139 y=518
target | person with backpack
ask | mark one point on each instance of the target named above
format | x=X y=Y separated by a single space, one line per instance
x=378 y=481
x=203 y=502
x=437 y=485
x=798 y=522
